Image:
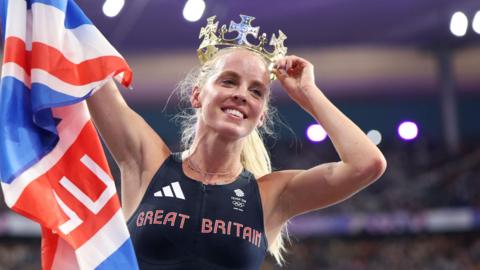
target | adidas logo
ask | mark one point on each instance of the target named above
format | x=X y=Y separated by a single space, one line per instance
x=173 y=190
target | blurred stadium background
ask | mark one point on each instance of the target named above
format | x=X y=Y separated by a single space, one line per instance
x=383 y=63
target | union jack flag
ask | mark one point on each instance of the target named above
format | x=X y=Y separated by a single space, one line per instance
x=52 y=166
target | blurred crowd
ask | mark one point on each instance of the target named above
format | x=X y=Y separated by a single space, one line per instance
x=19 y=254
x=423 y=252
x=460 y=251
x=420 y=176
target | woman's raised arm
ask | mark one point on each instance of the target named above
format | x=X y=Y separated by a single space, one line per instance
x=137 y=149
x=325 y=184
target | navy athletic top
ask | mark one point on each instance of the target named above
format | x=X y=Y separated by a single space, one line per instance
x=184 y=224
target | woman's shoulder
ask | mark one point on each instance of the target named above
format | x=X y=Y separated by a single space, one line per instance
x=277 y=177
x=273 y=184
x=271 y=187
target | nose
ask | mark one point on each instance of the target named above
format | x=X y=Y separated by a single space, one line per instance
x=240 y=97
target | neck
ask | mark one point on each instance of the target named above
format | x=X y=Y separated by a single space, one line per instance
x=214 y=159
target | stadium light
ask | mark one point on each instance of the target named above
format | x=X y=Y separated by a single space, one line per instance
x=476 y=22
x=375 y=136
x=193 y=10
x=112 y=8
x=459 y=24
x=408 y=130
x=316 y=133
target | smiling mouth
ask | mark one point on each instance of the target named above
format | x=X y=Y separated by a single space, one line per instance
x=234 y=113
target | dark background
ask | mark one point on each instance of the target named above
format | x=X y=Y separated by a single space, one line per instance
x=381 y=62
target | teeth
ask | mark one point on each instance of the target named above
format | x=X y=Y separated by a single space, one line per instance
x=234 y=112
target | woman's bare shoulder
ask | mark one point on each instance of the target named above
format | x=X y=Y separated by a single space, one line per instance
x=271 y=188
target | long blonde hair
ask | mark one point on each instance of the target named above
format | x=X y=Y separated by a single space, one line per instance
x=254 y=156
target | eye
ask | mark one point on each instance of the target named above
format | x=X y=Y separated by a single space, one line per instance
x=228 y=82
x=257 y=92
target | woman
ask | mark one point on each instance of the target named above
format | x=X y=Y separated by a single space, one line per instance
x=204 y=209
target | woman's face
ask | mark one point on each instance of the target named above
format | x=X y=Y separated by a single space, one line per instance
x=233 y=99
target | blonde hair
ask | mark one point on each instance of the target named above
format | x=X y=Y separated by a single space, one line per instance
x=254 y=156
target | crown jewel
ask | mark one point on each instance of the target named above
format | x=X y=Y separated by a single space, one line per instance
x=212 y=42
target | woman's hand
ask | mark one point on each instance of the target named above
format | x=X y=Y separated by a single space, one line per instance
x=297 y=77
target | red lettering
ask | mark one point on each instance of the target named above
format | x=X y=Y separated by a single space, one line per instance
x=219 y=224
x=171 y=216
x=206 y=225
x=247 y=232
x=140 y=219
x=258 y=238
x=148 y=216
x=229 y=226
x=239 y=226
x=183 y=217
x=158 y=216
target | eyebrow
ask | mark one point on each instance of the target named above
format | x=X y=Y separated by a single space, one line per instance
x=237 y=76
x=229 y=73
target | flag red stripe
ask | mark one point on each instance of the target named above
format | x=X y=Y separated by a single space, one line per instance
x=54 y=62
x=45 y=210
x=16 y=52
x=49 y=246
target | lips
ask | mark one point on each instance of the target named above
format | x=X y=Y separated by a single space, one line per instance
x=234 y=112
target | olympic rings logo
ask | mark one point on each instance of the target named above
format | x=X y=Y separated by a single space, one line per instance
x=238 y=204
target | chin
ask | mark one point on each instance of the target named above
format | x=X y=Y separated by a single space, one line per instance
x=234 y=132
x=228 y=129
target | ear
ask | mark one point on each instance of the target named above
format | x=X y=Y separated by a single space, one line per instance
x=261 y=120
x=195 y=97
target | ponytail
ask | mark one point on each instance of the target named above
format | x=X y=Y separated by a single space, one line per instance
x=255 y=159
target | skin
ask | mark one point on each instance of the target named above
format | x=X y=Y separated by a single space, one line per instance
x=241 y=81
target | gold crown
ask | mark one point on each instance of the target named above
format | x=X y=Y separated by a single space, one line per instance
x=211 y=43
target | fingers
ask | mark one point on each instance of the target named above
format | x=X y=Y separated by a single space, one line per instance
x=280 y=73
x=289 y=61
x=290 y=64
x=281 y=64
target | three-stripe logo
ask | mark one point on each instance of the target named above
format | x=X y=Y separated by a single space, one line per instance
x=173 y=190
